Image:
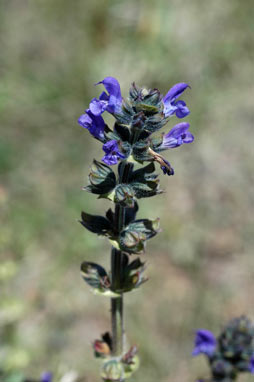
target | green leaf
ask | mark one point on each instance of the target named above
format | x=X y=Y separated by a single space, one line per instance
x=96 y=224
x=141 y=173
x=145 y=190
x=96 y=276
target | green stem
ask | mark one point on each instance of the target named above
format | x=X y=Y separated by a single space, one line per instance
x=117 y=275
x=117 y=304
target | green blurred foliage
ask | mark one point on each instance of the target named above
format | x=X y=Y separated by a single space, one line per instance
x=201 y=267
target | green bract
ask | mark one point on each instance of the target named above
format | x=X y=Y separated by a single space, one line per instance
x=102 y=179
x=112 y=371
x=133 y=238
x=101 y=282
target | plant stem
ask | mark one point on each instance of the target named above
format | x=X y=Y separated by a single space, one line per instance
x=117 y=304
x=117 y=274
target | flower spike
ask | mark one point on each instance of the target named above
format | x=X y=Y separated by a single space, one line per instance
x=128 y=144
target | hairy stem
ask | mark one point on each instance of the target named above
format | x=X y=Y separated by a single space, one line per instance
x=117 y=276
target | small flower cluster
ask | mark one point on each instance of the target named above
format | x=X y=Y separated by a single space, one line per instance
x=145 y=113
x=229 y=354
x=130 y=142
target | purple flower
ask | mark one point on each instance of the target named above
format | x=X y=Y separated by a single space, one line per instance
x=251 y=365
x=94 y=123
x=167 y=170
x=178 y=135
x=46 y=377
x=98 y=106
x=110 y=102
x=172 y=106
x=112 y=152
x=205 y=342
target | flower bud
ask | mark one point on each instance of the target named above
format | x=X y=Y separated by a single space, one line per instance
x=112 y=370
x=103 y=347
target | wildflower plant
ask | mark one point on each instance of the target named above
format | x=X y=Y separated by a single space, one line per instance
x=134 y=144
x=231 y=353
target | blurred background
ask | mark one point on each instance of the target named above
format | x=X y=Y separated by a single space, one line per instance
x=201 y=267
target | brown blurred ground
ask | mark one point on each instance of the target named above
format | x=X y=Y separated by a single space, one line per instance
x=201 y=267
